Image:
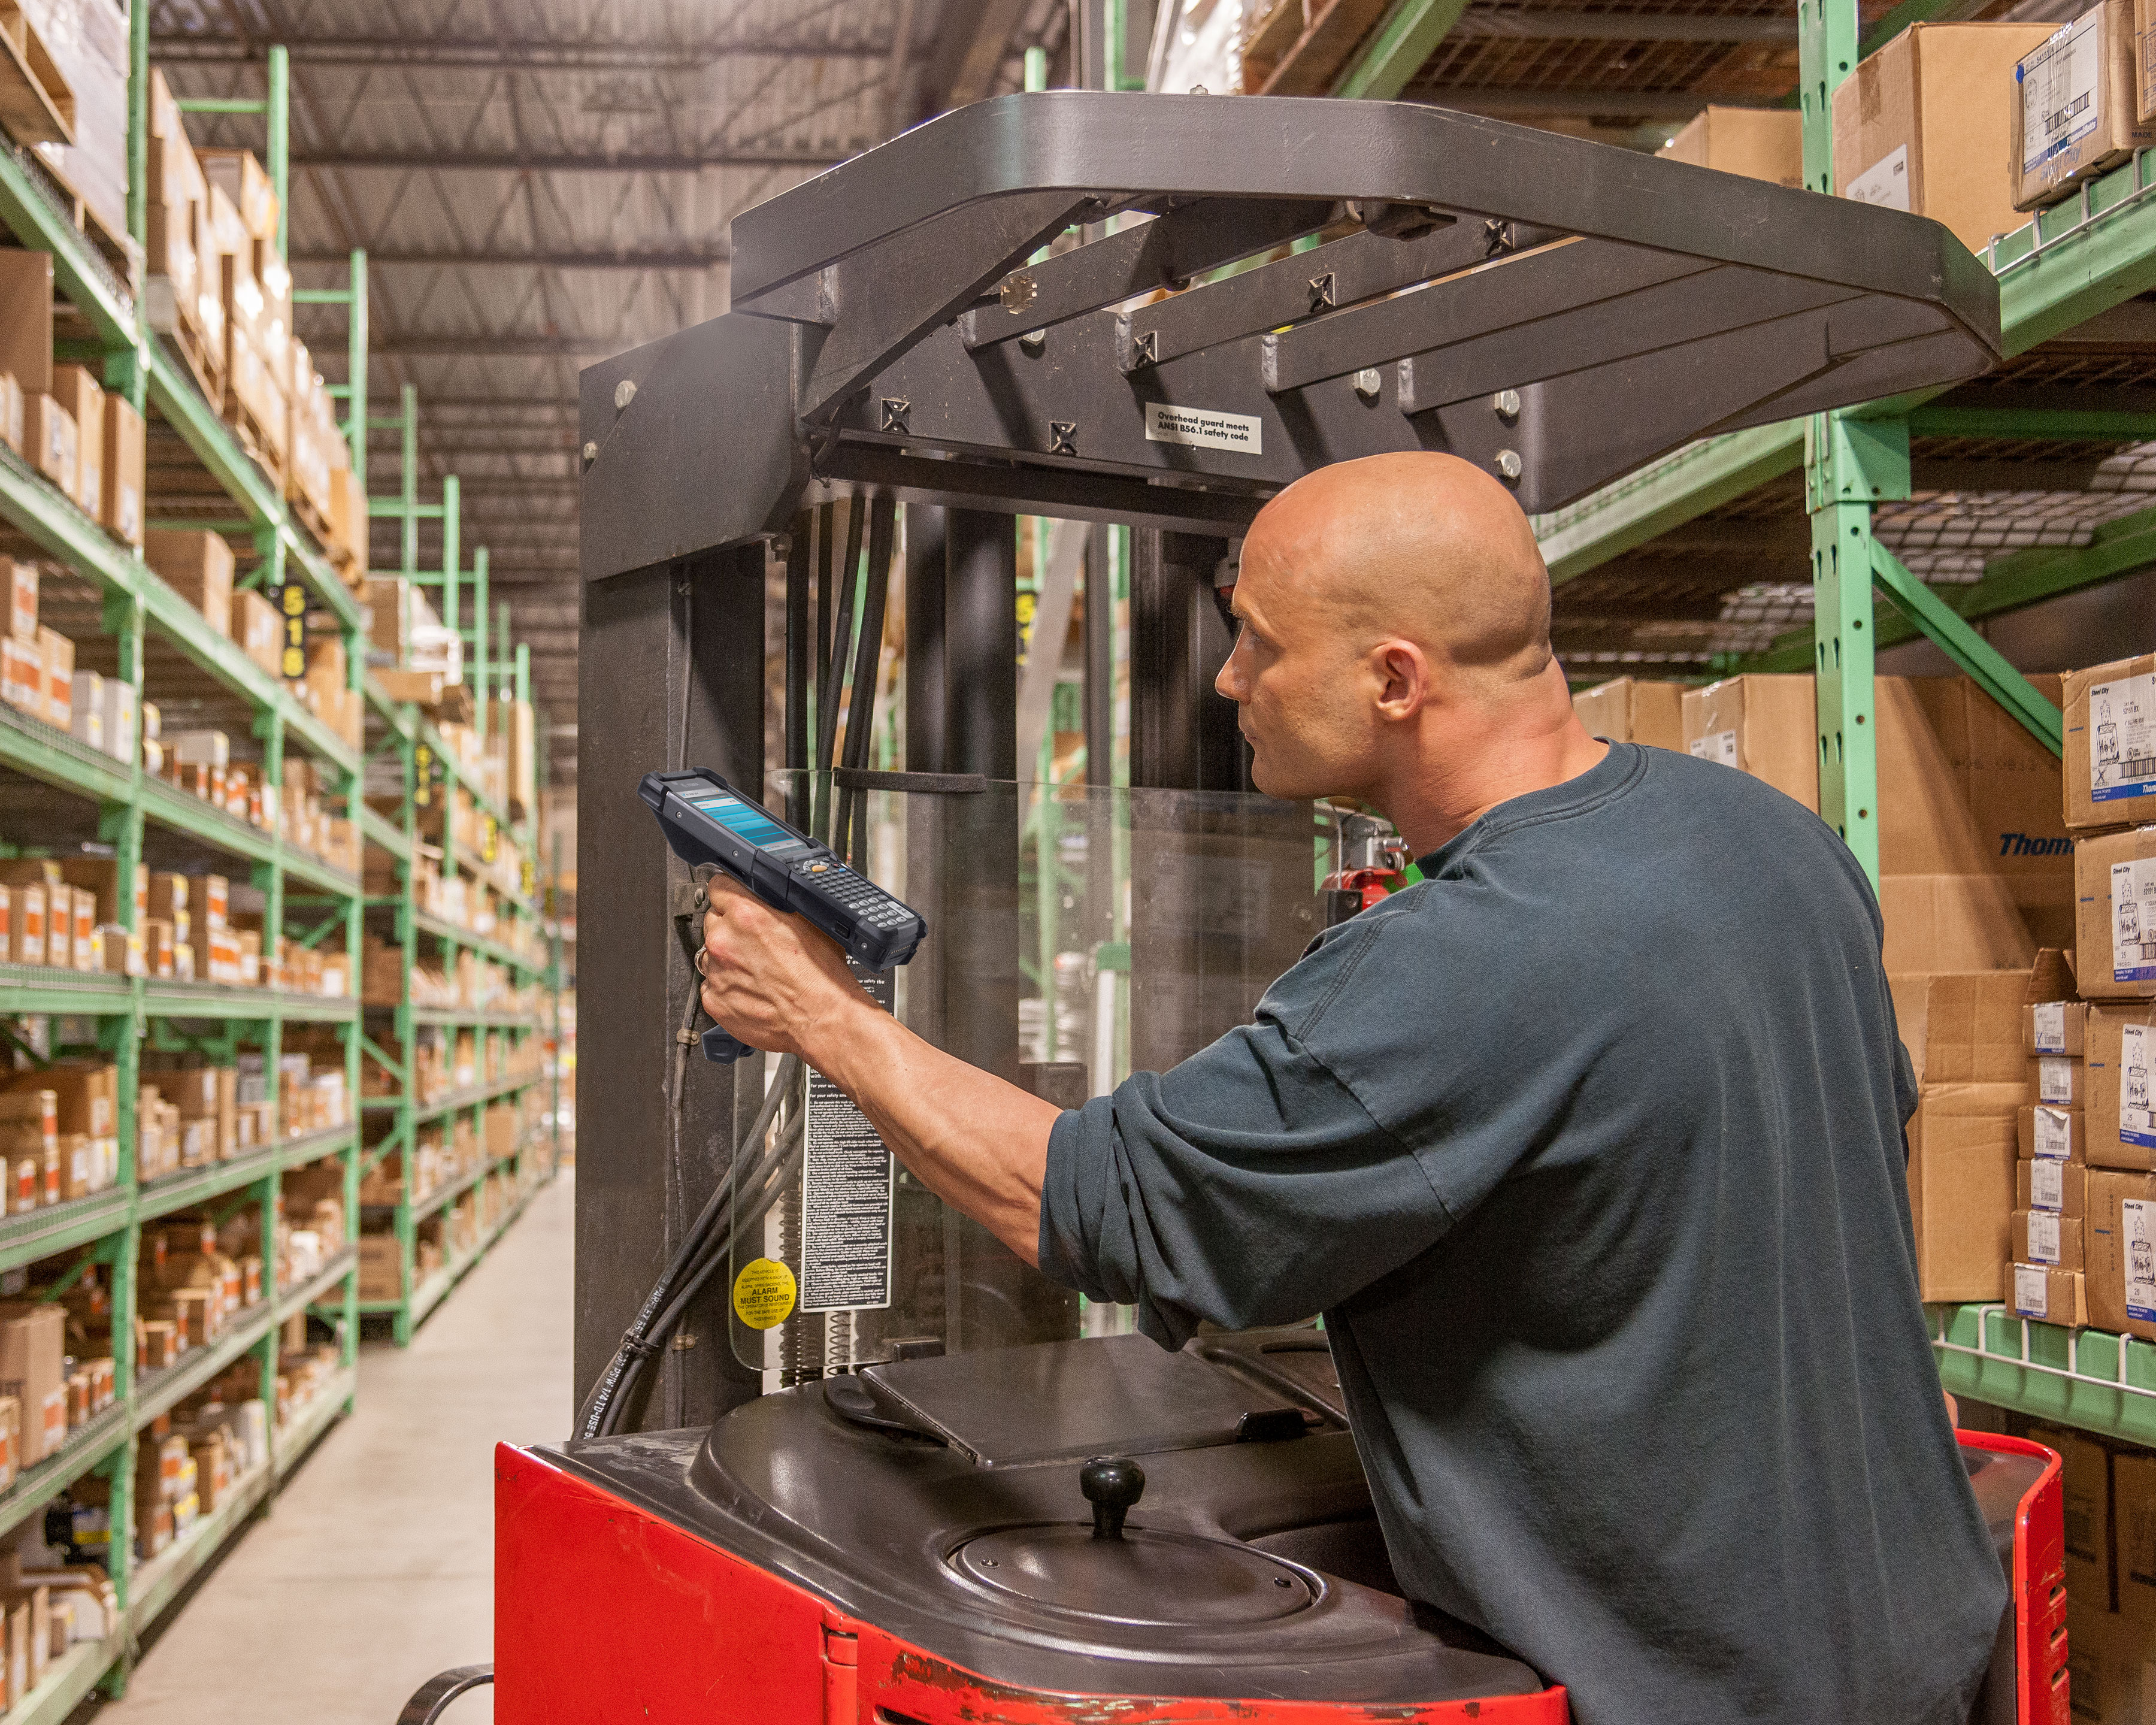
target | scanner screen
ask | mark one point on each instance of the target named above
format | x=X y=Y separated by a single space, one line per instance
x=746 y=822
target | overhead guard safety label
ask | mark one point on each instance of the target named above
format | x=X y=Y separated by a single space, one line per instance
x=2137 y=1227
x=845 y=1194
x=2133 y=921
x=763 y=1294
x=1202 y=427
x=2122 y=738
x=2137 y=1118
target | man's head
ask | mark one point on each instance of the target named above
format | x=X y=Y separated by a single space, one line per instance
x=1385 y=604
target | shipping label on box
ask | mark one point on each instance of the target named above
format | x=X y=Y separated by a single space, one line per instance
x=2044 y=1236
x=2122 y=739
x=2062 y=91
x=1719 y=747
x=2133 y=921
x=2136 y=1120
x=2136 y=1227
x=1885 y=183
x=2058 y=1080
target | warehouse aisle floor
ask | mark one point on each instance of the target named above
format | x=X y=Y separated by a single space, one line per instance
x=375 y=1567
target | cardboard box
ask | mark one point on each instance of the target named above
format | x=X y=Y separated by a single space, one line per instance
x=1766 y=726
x=2059 y=1186
x=1951 y=922
x=2051 y=1296
x=2053 y=1134
x=2055 y=1027
x=125 y=471
x=1925 y=126
x=56 y=659
x=2110 y=762
x=2045 y=1237
x=22 y=578
x=2076 y=105
x=2120 y=1121
x=79 y=393
x=1760 y=143
x=240 y=175
x=48 y=439
x=26 y=319
x=1631 y=709
x=33 y=1368
x=1964 y=1035
x=256 y=627
x=2058 y=1080
x=2119 y=1248
x=2085 y=1482
x=199 y=566
x=2115 y=906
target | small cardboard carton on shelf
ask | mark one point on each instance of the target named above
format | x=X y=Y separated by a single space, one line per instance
x=2059 y=1081
x=2050 y=1295
x=1760 y=143
x=56 y=655
x=2120 y=1120
x=2115 y=907
x=1634 y=709
x=197 y=566
x=49 y=439
x=2044 y=1185
x=79 y=392
x=32 y=1355
x=2110 y=761
x=1762 y=724
x=2047 y=1238
x=2076 y=105
x=1924 y=126
x=125 y=471
x=26 y=319
x=2121 y=1252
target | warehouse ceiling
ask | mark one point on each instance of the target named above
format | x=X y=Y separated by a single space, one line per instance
x=541 y=184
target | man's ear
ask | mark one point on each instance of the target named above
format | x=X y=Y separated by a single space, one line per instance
x=1402 y=676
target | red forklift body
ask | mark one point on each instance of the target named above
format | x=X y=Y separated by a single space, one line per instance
x=911 y=1546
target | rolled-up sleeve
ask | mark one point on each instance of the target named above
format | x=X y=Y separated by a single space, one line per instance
x=1248 y=1185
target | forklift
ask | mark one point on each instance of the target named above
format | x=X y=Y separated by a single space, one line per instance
x=842 y=1458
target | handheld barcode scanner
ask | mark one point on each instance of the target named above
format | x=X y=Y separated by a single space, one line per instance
x=707 y=821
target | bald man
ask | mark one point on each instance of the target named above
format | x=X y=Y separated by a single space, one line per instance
x=1589 y=1147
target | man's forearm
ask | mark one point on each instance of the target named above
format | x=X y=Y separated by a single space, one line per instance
x=979 y=1144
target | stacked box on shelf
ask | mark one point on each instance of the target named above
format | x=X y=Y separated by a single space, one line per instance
x=186 y=287
x=86 y=51
x=241 y=226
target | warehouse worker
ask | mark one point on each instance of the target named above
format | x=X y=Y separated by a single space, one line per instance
x=1589 y=1147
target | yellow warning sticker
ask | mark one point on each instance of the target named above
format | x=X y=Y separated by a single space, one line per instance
x=763 y=1294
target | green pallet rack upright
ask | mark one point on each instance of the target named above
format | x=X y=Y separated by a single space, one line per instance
x=66 y=795
x=2071 y=262
x=431 y=779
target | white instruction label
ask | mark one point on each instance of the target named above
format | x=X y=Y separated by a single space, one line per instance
x=2137 y=1230
x=2137 y=1118
x=2047 y=1185
x=1203 y=428
x=2043 y=1237
x=1716 y=746
x=2122 y=738
x=846 y=1195
x=2051 y=1027
x=2055 y=1134
x=1886 y=183
x=2055 y=1079
x=2031 y=1292
x=2063 y=90
x=2133 y=921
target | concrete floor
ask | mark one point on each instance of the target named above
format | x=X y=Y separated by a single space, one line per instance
x=374 y=1568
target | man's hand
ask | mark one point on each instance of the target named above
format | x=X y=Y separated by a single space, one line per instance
x=769 y=978
x=977 y=1143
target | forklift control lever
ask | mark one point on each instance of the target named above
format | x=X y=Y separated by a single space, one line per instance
x=1113 y=1485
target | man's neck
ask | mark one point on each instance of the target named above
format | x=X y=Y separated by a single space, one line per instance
x=1468 y=761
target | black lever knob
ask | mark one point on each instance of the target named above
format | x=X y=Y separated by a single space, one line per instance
x=1113 y=1485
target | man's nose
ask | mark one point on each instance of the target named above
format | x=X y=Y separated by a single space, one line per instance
x=1229 y=681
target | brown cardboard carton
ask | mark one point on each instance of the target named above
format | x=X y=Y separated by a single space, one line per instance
x=2076 y=105
x=125 y=471
x=2051 y=1296
x=2058 y=1080
x=1964 y=1035
x=2052 y=1134
x=255 y=626
x=1766 y=726
x=1923 y=125
x=2086 y=1487
x=199 y=566
x=1631 y=709
x=2055 y=1027
x=1951 y=922
x=2120 y=1120
x=26 y=319
x=1760 y=143
x=48 y=439
x=56 y=652
x=79 y=392
x=2045 y=1237
x=239 y=174
x=2119 y=1249
x=2059 y=1186
x=33 y=1368
x=2109 y=769
x=2115 y=915
x=22 y=579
